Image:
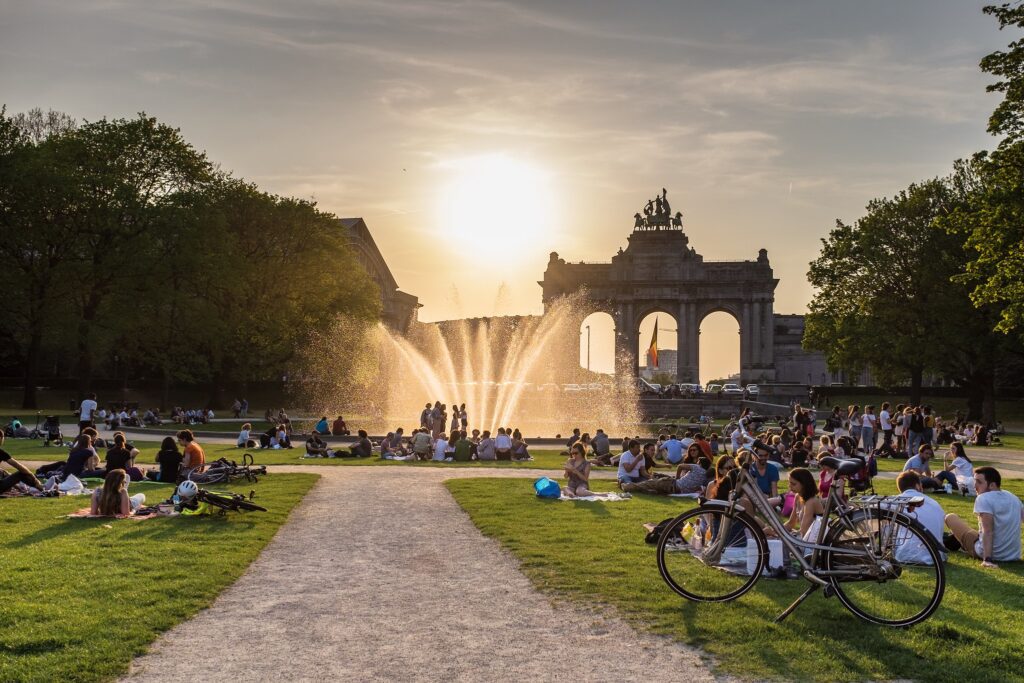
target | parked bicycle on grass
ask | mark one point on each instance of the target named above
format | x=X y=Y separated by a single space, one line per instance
x=718 y=551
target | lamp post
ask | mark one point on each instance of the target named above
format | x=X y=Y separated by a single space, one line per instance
x=588 y=347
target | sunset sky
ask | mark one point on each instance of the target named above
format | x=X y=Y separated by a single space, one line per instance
x=477 y=137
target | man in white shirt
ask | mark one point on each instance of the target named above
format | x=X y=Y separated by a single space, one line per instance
x=885 y=424
x=85 y=412
x=931 y=516
x=1000 y=514
x=631 y=465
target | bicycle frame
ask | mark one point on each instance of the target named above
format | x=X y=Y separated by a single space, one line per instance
x=835 y=504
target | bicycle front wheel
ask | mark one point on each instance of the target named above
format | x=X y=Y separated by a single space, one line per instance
x=894 y=576
x=710 y=554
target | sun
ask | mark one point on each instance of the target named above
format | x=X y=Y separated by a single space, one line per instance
x=495 y=202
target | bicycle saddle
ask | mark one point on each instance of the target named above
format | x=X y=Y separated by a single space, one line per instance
x=842 y=466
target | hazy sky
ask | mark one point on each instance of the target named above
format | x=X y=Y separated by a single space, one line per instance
x=476 y=137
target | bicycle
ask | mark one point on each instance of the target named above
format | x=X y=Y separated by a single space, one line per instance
x=224 y=471
x=229 y=501
x=867 y=551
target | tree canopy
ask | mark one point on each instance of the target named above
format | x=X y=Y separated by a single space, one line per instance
x=123 y=246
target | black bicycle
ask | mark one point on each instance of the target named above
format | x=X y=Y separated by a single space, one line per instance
x=224 y=471
x=229 y=502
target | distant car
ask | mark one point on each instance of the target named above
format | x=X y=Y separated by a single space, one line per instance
x=713 y=389
x=732 y=389
x=752 y=390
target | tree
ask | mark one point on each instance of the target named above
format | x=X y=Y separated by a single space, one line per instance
x=887 y=298
x=37 y=237
x=992 y=222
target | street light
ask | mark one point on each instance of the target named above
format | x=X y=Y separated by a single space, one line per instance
x=588 y=348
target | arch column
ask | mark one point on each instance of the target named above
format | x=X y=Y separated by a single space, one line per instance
x=627 y=361
x=687 y=342
x=746 y=342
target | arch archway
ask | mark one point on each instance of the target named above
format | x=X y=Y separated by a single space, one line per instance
x=597 y=343
x=719 y=352
x=664 y=367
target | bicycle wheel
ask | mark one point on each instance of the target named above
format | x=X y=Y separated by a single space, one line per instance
x=247 y=505
x=724 y=561
x=898 y=580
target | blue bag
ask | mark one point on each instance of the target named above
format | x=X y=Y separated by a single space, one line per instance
x=547 y=488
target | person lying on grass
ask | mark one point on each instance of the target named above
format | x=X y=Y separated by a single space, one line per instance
x=690 y=478
x=21 y=475
x=112 y=500
x=999 y=522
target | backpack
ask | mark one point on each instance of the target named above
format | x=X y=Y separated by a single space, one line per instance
x=547 y=488
x=654 y=534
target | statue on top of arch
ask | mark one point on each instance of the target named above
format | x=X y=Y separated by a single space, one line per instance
x=657 y=215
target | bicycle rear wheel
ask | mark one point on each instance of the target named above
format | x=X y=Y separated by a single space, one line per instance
x=712 y=555
x=898 y=580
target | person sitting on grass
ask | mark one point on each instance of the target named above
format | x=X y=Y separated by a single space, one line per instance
x=765 y=473
x=690 y=478
x=485 y=449
x=572 y=439
x=962 y=468
x=421 y=443
x=602 y=448
x=520 y=451
x=122 y=457
x=323 y=427
x=930 y=514
x=82 y=460
x=316 y=448
x=440 y=446
x=194 y=455
x=631 y=465
x=503 y=445
x=463 y=447
x=283 y=439
x=999 y=521
x=920 y=464
x=672 y=448
x=112 y=500
x=577 y=469
x=21 y=474
x=244 y=437
x=339 y=428
x=806 y=515
x=169 y=458
x=363 y=447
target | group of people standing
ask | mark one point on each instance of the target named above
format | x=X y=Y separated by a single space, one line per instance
x=435 y=418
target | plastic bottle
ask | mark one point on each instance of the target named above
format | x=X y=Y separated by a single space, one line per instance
x=949 y=487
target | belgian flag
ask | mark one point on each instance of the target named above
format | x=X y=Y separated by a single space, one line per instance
x=652 y=351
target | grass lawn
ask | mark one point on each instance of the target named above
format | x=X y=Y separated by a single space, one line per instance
x=595 y=553
x=82 y=598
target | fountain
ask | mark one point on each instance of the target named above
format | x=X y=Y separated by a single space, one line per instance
x=509 y=371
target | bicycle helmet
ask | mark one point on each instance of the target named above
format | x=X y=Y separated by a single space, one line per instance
x=188 y=489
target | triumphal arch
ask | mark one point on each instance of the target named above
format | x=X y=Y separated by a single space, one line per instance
x=659 y=271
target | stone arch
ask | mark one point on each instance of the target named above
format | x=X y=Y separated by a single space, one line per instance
x=668 y=326
x=598 y=344
x=715 y=344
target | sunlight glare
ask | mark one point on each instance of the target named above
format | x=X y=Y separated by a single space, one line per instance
x=495 y=201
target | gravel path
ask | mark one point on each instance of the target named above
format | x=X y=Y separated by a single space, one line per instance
x=366 y=583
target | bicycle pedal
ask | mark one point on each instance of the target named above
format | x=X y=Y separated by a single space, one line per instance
x=829 y=591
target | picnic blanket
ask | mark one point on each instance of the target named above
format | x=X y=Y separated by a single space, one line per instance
x=606 y=498
x=84 y=513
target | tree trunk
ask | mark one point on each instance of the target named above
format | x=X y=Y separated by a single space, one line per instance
x=84 y=365
x=216 y=401
x=165 y=391
x=29 y=399
x=916 y=375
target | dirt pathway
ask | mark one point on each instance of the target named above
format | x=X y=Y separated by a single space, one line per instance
x=368 y=582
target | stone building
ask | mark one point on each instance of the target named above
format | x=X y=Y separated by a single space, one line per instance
x=398 y=309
